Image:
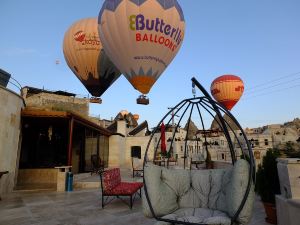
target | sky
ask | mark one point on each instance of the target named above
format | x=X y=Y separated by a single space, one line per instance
x=257 y=40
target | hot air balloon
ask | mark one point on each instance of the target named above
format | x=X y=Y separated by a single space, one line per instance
x=136 y=116
x=124 y=112
x=86 y=58
x=141 y=38
x=227 y=90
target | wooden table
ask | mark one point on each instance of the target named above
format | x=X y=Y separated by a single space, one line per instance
x=1 y=174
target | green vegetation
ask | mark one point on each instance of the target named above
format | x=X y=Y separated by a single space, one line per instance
x=267 y=181
x=292 y=150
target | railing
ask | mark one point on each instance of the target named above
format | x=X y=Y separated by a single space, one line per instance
x=7 y=81
x=14 y=85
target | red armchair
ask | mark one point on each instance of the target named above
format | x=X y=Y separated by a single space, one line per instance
x=112 y=186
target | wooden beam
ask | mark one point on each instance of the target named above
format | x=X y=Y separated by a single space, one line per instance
x=70 y=142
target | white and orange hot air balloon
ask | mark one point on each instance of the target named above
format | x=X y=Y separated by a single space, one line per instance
x=141 y=37
x=136 y=116
x=86 y=58
x=227 y=90
x=124 y=112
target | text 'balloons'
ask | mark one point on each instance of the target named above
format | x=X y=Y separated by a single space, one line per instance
x=141 y=37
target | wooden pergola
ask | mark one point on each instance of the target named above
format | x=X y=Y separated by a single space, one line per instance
x=72 y=118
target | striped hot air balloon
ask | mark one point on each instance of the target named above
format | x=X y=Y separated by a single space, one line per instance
x=227 y=90
x=86 y=58
x=141 y=37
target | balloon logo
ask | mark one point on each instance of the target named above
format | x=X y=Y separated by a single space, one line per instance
x=79 y=36
x=86 y=58
x=141 y=37
x=227 y=90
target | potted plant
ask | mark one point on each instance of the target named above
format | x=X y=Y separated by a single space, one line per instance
x=267 y=184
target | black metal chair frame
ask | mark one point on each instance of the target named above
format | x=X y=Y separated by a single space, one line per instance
x=208 y=105
x=97 y=164
x=108 y=198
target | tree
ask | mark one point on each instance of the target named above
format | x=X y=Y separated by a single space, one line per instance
x=267 y=181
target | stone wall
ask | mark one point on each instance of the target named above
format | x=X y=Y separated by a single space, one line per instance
x=10 y=123
x=37 y=176
x=120 y=149
x=116 y=151
x=58 y=103
x=137 y=141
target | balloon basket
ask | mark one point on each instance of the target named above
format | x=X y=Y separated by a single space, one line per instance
x=142 y=100
x=95 y=100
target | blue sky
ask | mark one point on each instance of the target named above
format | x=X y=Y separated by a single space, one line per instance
x=258 y=40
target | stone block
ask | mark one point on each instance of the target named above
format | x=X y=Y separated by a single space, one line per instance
x=281 y=210
x=289 y=177
x=294 y=211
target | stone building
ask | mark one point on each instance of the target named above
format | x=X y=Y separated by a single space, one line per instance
x=126 y=135
x=10 y=134
x=56 y=132
x=281 y=134
x=260 y=143
x=55 y=100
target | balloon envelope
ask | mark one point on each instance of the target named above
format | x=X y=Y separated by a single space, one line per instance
x=86 y=58
x=141 y=37
x=227 y=90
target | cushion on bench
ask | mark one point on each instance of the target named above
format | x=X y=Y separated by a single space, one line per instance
x=113 y=185
x=111 y=179
x=197 y=215
x=125 y=188
x=218 y=190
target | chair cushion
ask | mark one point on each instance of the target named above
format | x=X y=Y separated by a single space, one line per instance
x=235 y=192
x=217 y=190
x=162 y=196
x=125 y=188
x=111 y=179
x=207 y=189
x=198 y=215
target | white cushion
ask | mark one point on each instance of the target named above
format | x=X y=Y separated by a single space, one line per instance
x=197 y=215
x=212 y=195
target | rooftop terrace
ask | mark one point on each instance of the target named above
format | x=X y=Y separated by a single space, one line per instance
x=80 y=207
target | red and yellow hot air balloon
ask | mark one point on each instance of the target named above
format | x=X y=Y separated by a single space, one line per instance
x=86 y=58
x=141 y=37
x=227 y=90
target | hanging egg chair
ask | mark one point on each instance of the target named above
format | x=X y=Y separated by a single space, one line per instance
x=195 y=173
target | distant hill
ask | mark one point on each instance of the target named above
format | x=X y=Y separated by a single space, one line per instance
x=295 y=124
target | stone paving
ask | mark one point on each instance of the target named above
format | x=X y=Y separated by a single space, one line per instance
x=80 y=207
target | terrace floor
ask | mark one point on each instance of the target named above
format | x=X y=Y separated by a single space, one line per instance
x=80 y=207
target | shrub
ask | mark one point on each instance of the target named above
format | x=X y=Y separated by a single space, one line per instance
x=267 y=181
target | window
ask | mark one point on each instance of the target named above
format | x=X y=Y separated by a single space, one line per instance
x=266 y=142
x=136 y=151
x=223 y=156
